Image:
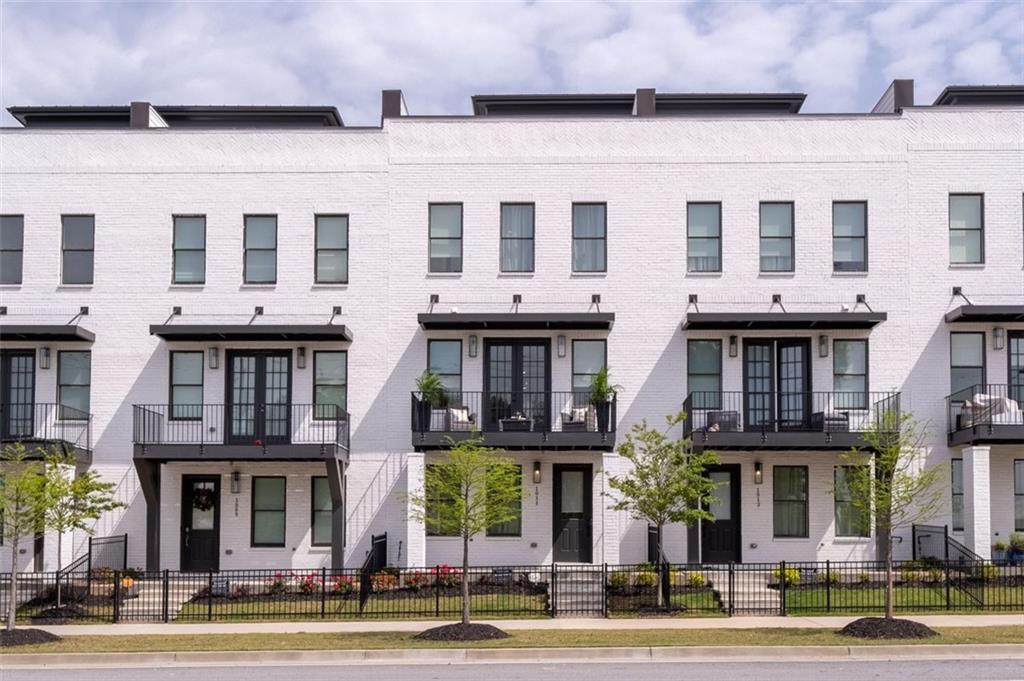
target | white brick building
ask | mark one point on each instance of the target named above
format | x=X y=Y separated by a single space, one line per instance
x=860 y=227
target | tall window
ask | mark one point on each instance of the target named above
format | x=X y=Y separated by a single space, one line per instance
x=776 y=237
x=332 y=249
x=77 y=239
x=435 y=499
x=704 y=373
x=850 y=374
x=703 y=237
x=260 y=249
x=512 y=528
x=1016 y=368
x=446 y=237
x=268 y=510
x=74 y=375
x=588 y=357
x=850 y=236
x=966 y=229
x=189 y=249
x=1018 y=495
x=322 y=512
x=589 y=232
x=957 y=487
x=966 y=360
x=851 y=521
x=330 y=382
x=790 y=501
x=444 y=358
x=186 y=385
x=517 y=237
x=12 y=245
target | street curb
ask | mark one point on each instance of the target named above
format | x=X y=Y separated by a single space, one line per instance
x=990 y=651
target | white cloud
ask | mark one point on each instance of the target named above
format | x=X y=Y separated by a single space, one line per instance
x=983 y=63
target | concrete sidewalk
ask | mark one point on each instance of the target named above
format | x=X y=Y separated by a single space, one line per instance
x=516 y=625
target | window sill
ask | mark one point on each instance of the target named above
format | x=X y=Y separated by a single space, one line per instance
x=318 y=285
x=851 y=540
x=243 y=287
x=505 y=538
x=850 y=274
x=75 y=287
x=588 y=275
x=706 y=275
x=443 y=275
x=776 y=275
x=180 y=287
x=791 y=540
x=516 y=275
x=966 y=265
x=10 y=287
x=268 y=548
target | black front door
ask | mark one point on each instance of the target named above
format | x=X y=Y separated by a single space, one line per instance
x=17 y=393
x=572 y=512
x=777 y=384
x=517 y=384
x=259 y=397
x=720 y=538
x=200 y=522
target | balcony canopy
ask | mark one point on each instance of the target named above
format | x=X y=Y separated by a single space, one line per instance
x=251 y=332
x=985 y=313
x=727 y=321
x=46 y=332
x=509 y=321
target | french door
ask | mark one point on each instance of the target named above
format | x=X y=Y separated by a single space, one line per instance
x=258 y=401
x=1016 y=359
x=777 y=384
x=17 y=393
x=517 y=384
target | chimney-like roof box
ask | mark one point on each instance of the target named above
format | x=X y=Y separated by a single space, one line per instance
x=246 y=116
x=981 y=95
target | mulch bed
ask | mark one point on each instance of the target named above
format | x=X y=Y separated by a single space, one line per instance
x=62 y=615
x=386 y=595
x=882 y=628
x=462 y=632
x=26 y=637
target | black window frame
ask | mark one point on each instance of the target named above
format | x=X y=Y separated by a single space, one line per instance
x=715 y=403
x=429 y=527
x=316 y=411
x=502 y=238
x=806 y=501
x=314 y=511
x=1014 y=385
x=171 y=385
x=246 y=249
x=863 y=530
x=64 y=250
x=984 y=360
x=431 y=238
x=863 y=238
x=61 y=384
x=518 y=522
x=1018 y=520
x=430 y=343
x=572 y=365
x=954 y=494
x=253 y=511
x=175 y=250
x=791 y=238
x=980 y=230
x=317 y=250
x=864 y=404
x=19 y=251
x=602 y=239
x=690 y=238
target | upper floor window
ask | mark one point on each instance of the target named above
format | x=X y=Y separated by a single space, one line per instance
x=704 y=373
x=589 y=232
x=517 y=237
x=330 y=382
x=966 y=360
x=74 y=376
x=12 y=245
x=260 y=249
x=189 y=249
x=776 y=237
x=703 y=237
x=186 y=385
x=850 y=236
x=77 y=232
x=446 y=237
x=588 y=357
x=332 y=249
x=444 y=358
x=850 y=374
x=966 y=229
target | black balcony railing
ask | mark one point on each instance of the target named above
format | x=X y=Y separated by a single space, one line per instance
x=43 y=424
x=986 y=406
x=514 y=412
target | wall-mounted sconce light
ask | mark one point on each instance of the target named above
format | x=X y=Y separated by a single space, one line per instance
x=998 y=338
x=536 y=472
x=236 y=482
x=823 y=345
x=758 y=472
x=733 y=346
x=473 y=345
x=44 y=358
x=560 y=342
x=301 y=359
x=212 y=355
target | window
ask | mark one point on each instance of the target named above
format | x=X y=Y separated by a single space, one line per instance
x=703 y=237
x=850 y=374
x=850 y=236
x=436 y=499
x=588 y=357
x=589 y=229
x=74 y=373
x=512 y=528
x=966 y=360
x=444 y=358
x=704 y=373
x=330 y=382
x=12 y=245
x=322 y=512
x=776 y=237
x=517 y=237
x=332 y=249
x=260 y=249
x=77 y=233
x=187 y=386
x=957 y=486
x=1015 y=378
x=189 y=249
x=790 y=501
x=1018 y=495
x=268 y=502
x=446 y=237
x=966 y=229
x=851 y=521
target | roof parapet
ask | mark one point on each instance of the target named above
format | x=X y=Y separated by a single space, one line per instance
x=898 y=95
x=142 y=115
x=645 y=102
x=981 y=95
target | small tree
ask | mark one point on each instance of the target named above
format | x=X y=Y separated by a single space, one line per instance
x=473 y=489
x=22 y=500
x=668 y=481
x=887 y=479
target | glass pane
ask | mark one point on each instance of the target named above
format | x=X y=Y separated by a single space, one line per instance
x=77 y=267
x=268 y=527
x=958 y=475
x=187 y=367
x=260 y=267
x=704 y=356
x=12 y=232
x=588 y=255
x=74 y=368
x=1018 y=512
x=849 y=219
x=76 y=398
x=967 y=349
x=776 y=255
x=332 y=266
x=720 y=502
x=321 y=495
x=331 y=367
x=848 y=254
x=702 y=255
x=958 y=512
x=268 y=494
x=588 y=220
x=850 y=357
x=776 y=219
x=329 y=394
x=187 y=395
x=332 y=231
x=1018 y=477
x=848 y=384
x=446 y=221
x=517 y=220
x=966 y=379
x=77 y=231
x=322 y=530
x=704 y=383
x=587 y=356
x=572 y=491
x=190 y=232
x=189 y=267
x=703 y=219
x=965 y=246
x=517 y=255
x=261 y=231
x=790 y=482
x=445 y=255
x=10 y=267
x=965 y=212
x=203 y=519
x=445 y=356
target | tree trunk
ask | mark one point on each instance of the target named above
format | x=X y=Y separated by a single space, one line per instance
x=658 y=568
x=465 y=579
x=889 y=586
x=12 y=602
x=60 y=541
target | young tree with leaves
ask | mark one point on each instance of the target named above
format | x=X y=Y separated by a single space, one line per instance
x=22 y=501
x=473 y=489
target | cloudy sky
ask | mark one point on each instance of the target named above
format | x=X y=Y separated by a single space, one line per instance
x=842 y=54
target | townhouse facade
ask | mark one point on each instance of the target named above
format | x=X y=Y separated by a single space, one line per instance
x=225 y=311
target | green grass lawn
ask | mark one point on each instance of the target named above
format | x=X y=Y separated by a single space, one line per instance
x=919 y=598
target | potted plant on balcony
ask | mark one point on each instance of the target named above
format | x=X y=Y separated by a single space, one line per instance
x=432 y=396
x=602 y=392
x=1015 y=552
x=999 y=551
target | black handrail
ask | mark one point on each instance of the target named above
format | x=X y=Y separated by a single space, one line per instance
x=774 y=411
x=514 y=411
x=985 y=405
x=43 y=422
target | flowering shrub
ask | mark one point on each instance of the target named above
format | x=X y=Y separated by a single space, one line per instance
x=277 y=584
x=417 y=580
x=342 y=585
x=618 y=579
x=309 y=584
x=448 y=575
x=383 y=581
x=645 y=579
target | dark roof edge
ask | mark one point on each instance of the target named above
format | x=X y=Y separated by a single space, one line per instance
x=44 y=332
x=985 y=313
x=330 y=114
x=781 y=320
x=980 y=95
x=251 y=331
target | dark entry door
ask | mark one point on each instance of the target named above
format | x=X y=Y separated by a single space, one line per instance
x=259 y=397
x=777 y=384
x=720 y=538
x=200 y=522
x=573 y=513
x=17 y=393
x=517 y=384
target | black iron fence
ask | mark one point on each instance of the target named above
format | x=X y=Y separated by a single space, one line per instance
x=497 y=411
x=42 y=423
x=985 y=405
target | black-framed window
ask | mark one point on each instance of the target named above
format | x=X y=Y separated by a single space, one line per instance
x=445 y=237
x=589 y=237
x=789 y=500
x=331 y=265
x=186 y=385
x=517 y=235
x=704 y=373
x=850 y=236
x=956 y=467
x=851 y=520
x=260 y=249
x=330 y=382
x=12 y=248
x=322 y=512
x=1015 y=365
x=850 y=373
x=435 y=500
x=703 y=237
x=74 y=378
x=189 y=249
x=512 y=528
x=77 y=245
x=444 y=358
x=268 y=510
x=966 y=360
x=1018 y=495
x=966 y=229
x=588 y=358
x=776 y=218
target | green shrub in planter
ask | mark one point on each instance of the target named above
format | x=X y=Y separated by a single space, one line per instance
x=645 y=579
x=618 y=579
x=832 y=577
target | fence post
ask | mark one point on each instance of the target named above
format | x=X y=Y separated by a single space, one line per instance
x=166 y=596
x=554 y=589
x=117 y=596
x=124 y=546
x=945 y=567
x=782 y=588
x=437 y=591
x=732 y=589
x=323 y=592
x=828 y=586
x=209 y=596
x=604 y=590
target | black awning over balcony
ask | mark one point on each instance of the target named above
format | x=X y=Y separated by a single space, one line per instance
x=513 y=321
x=985 y=313
x=251 y=332
x=729 y=321
x=46 y=332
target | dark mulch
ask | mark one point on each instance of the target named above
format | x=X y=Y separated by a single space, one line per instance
x=25 y=637
x=880 y=627
x=61 y=615
x=462 y=632
x=655 y=611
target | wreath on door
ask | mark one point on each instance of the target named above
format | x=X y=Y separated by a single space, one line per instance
x=202 y=498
